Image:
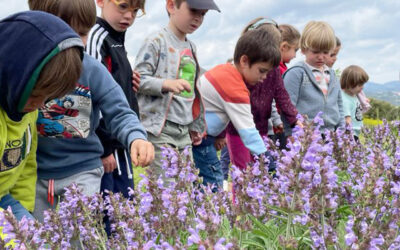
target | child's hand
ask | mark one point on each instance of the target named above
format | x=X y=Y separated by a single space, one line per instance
x=196 y=137
x=176 y=86
x=278 y=129
x=135 y=80
x=109 y=163
x=219 y=143
x=142 y=152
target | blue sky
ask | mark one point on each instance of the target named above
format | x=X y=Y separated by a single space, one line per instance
x=368 y=29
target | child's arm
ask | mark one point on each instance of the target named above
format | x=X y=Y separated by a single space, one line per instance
x=242 y=119
x=292 y=83
x=284 y=101
x=348 y=120
x=24 y=189
x=148 y=60
x=121 y=121
x=275 y=117
x=342 y=111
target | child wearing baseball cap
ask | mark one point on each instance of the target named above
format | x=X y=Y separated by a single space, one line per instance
x=169 y=100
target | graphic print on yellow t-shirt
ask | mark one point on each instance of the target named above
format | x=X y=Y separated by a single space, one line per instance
x=16 y=150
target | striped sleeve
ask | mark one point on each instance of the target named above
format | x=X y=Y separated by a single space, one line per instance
x=234 y=99
x=96 y=41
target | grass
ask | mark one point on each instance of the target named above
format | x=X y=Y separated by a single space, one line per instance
x=136 y=172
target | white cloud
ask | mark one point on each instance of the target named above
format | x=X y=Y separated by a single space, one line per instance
x=368 y=28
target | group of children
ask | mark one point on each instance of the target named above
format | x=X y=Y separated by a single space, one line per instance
x=97 y=116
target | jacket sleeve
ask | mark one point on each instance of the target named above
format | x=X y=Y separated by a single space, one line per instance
x=292 y=80
x=275 y=117
x=242 y=119
x=24 y=189
x=284 y=101
x=120 y=120
x=341 y=110
x=292 y=83
x=147 y=61
x=98 y=49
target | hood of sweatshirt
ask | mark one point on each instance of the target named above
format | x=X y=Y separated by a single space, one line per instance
x=29 y=40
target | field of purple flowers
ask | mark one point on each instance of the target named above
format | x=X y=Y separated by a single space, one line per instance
x=327 y=194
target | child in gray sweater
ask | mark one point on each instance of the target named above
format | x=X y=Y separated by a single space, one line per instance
x=312 y=85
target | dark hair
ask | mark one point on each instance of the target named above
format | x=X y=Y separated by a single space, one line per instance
x=289 y=34
x=353 y=76
x=177 y=4
x=258 y=47
x=77 y=13
x=59 y=75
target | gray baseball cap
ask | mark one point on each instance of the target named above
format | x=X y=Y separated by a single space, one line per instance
x=203 y=5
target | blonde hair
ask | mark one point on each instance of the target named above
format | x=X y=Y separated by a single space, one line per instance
x=318 y=35
x=59 y=75
x=289 y=34
x=353 y=76
x=77 y=13
x=266 y=24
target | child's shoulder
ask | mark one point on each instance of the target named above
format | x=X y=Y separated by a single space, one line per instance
x=297 y=69
x=157 y=37
x=92 y=67
x=227 y=80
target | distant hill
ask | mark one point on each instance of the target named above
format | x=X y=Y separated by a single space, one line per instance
x=389 y=92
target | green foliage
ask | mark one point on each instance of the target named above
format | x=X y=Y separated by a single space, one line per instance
x=382 y=110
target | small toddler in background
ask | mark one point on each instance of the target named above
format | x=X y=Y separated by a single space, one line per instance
x=364 y=101
x=352 y=82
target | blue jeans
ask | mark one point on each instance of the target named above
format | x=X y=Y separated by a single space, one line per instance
x=225 y=161
x=206 y=160
x=18 y=210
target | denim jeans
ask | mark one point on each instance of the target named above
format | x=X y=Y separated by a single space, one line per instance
x=206 y=160
x=18 y=210
x=225 y=162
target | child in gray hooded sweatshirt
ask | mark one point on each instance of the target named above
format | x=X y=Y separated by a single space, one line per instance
x=313 y=86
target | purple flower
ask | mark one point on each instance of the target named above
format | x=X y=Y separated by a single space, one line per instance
x=377 y=242
x=395 y=187
x=182 y=213
x=318 y=241
x=318 y=119
x=194 y=237
x=220 y=245
x=145 y=203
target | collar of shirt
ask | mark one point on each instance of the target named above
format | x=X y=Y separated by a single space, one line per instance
x=313 y=69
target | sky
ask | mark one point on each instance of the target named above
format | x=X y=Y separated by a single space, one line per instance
x=369 y=30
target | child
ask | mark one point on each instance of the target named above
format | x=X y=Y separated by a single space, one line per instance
x=106 y=44
x=352 y=82
x=61 y=160
x=47 y=68
x=364 y=101
x=226 y=98
x=288 y=47
x=333 y=55
x=170 y=104
x=261 y=97
x=312 y=86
